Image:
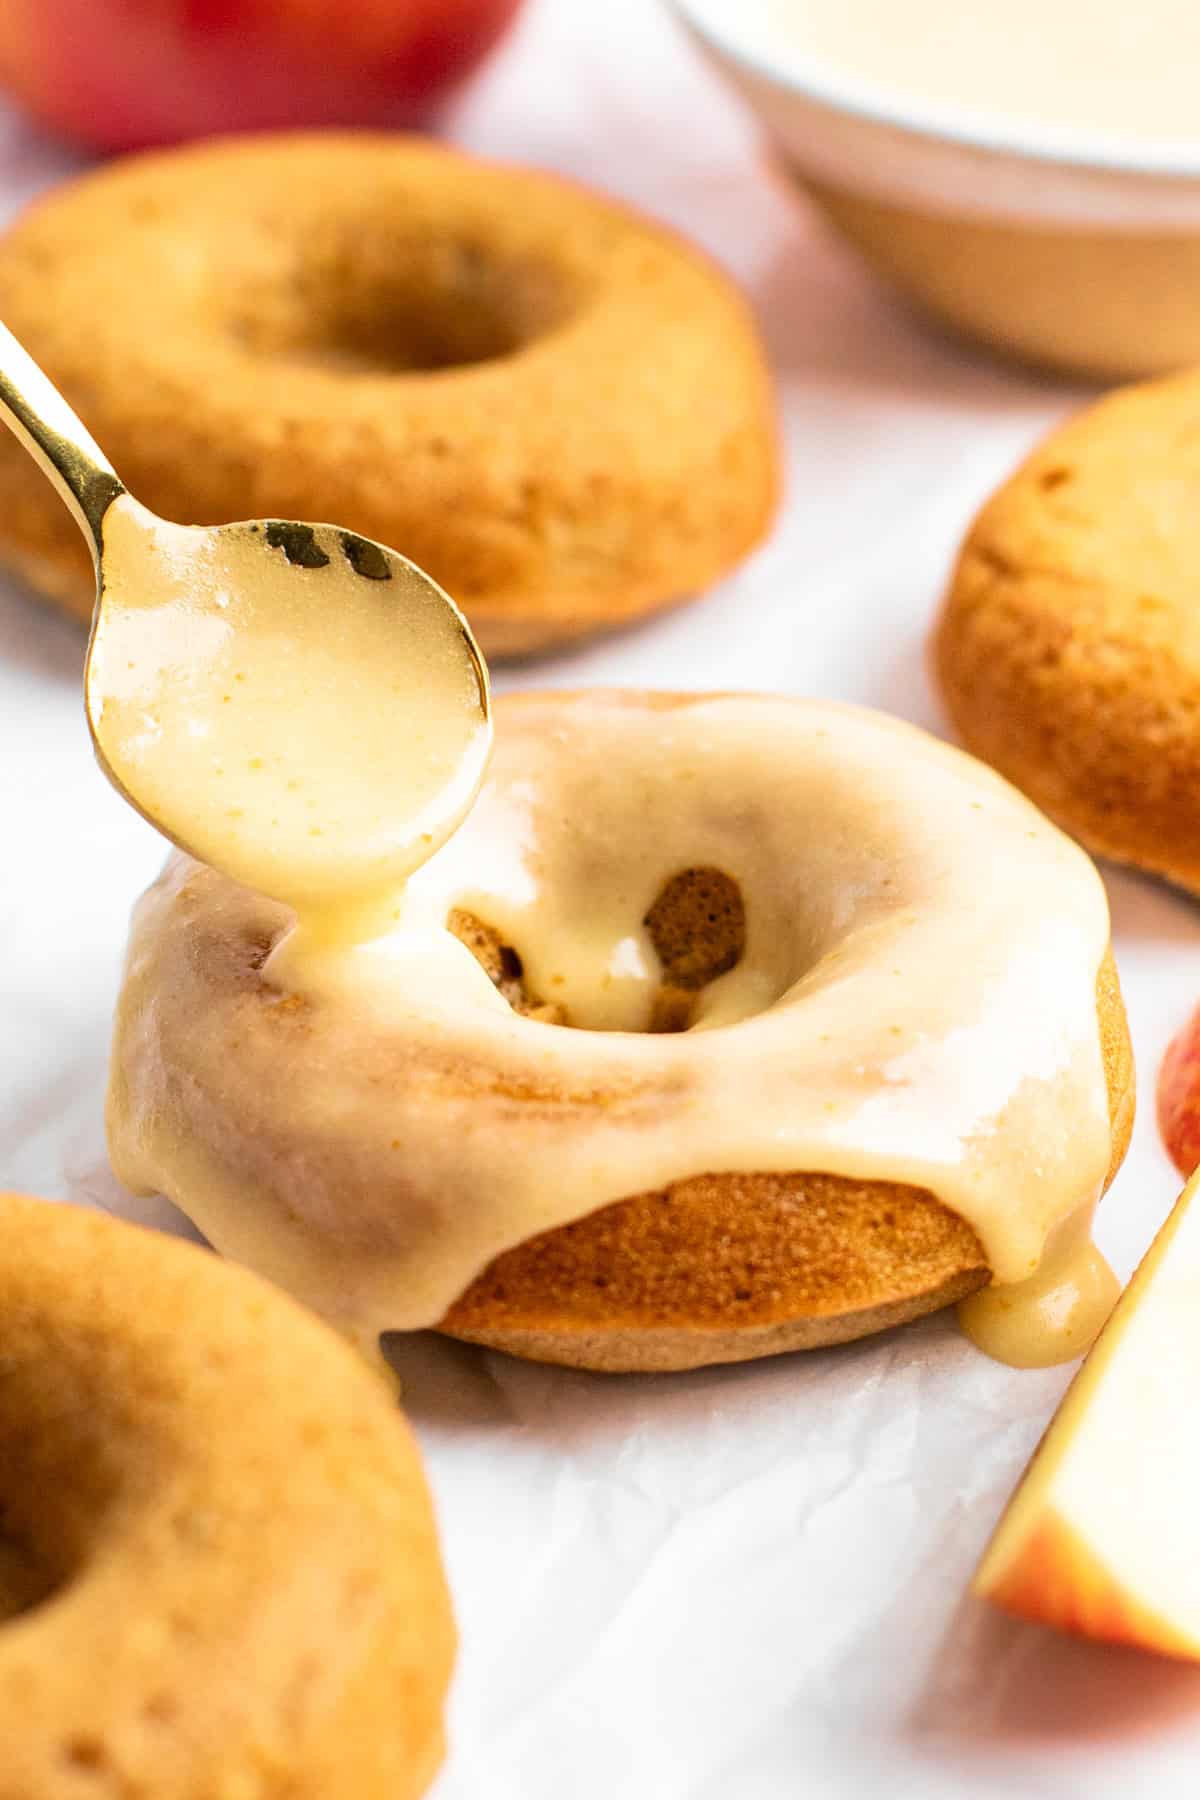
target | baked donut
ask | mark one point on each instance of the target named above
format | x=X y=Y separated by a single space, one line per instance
x=727 y=1049
x=219 y=1568
x=555 y=406
x=1067 y=648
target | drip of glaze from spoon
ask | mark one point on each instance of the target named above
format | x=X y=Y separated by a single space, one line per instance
x=293 y=703
x=289 y=703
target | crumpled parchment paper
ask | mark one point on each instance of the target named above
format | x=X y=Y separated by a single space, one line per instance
x=743 y=1584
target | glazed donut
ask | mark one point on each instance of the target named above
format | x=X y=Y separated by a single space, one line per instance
x=555 y=406
x=220 y=1573
x=782 y=1077
x=1066 y=646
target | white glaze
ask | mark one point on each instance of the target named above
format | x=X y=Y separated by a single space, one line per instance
x=1092 y=65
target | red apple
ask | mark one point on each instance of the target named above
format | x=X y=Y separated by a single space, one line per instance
x=1100 y=1537
x=1179 y=1097
x=118 y=74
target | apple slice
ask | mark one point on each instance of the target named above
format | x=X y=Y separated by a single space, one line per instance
x=1179 y=1097
x=1102 y=1537
x=121 y=74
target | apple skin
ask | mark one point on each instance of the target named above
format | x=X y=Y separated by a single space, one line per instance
x=1179 y=1097
x=125 y=74
x=1060 y=1583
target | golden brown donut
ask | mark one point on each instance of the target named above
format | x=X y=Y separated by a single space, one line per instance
x=724 y=1268
x=557 y=407
x=1067 y=649
x=321 y=1143
x=218 y=1567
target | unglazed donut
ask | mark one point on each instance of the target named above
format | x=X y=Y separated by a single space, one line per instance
x=555 y=406
x=218 y=1562
x=807 y=1094
x=1067 y=647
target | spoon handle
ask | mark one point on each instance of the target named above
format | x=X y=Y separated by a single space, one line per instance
x=34 y=410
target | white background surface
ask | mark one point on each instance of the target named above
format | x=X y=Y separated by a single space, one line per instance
x=737 y=1585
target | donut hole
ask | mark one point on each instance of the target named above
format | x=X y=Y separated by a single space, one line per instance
x=503 y=966
x=63 y=1470
x=403 y=308
x=696 y=927
x=25 y=1578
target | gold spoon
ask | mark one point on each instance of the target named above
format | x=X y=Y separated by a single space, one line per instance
x=291 y=702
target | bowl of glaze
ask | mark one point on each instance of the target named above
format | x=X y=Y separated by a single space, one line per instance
x=1025 y=171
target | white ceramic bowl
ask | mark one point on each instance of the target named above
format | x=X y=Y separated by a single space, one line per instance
x=1072 y=249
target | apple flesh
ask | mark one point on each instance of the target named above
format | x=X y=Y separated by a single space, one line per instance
x=1102 y=1537
x=121 y=74
x=1179 y=1097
